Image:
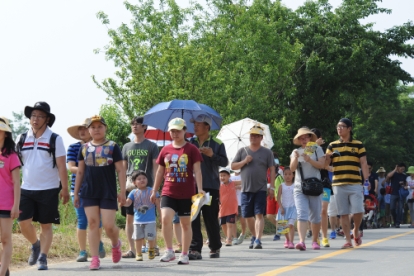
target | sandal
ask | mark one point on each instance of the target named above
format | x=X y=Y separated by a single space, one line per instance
x=129 y=255
x=228 y=242
x=347 y=245
x=358 y=241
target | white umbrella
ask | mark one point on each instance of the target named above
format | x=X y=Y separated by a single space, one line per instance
x=236 y=136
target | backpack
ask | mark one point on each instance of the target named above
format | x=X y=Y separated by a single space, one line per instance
x=51 y=150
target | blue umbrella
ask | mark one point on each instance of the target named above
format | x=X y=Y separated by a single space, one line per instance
x=159 y=115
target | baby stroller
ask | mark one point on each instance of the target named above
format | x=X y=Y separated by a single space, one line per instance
x=371 y=210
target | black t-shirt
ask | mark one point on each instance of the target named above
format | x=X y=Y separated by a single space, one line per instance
x=372 y=177
x=396 y=181
x=100 y=177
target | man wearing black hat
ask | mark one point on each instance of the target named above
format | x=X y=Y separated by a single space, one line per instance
x=350 y=157
x=41 y=182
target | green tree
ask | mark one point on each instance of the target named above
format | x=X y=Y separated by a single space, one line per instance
x=18 y=124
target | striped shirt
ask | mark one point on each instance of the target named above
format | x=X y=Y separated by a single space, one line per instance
x=72 y=155
x=347 y=166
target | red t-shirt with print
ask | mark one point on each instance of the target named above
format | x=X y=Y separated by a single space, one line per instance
x=178 y=177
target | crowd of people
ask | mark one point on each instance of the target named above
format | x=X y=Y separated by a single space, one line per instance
x=318 y=187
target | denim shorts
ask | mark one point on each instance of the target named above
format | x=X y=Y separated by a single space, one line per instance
x=253 y=203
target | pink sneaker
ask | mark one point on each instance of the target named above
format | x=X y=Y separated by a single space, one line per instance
x=315 y=246
x=301 y=246
x=286 y=244
x=116 y=252
x=291 y=245
x=95 y=263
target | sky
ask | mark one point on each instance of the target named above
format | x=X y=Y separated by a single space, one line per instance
x=46 y=53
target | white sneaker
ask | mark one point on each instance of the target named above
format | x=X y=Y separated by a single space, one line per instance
x=183 y=259
x=240 y=239
x=168 y=256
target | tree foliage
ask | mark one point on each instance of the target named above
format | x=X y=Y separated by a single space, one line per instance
x=18 y=124
x=118 y=127
x=262 y=60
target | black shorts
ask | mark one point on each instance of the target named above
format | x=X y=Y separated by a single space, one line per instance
x=228 y=219
x=4 y=214
x=127 y=210
x=110 y=204
x=41 y=206
x=181 y=206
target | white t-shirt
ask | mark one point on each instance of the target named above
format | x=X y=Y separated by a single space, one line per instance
x=38 y=172
x=307 y=169
x=238 y=191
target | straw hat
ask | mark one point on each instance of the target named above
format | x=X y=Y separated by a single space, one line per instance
x=257 y=129
x=381 y=170
x=303 y=131
x=5 y=125
x=74 y=130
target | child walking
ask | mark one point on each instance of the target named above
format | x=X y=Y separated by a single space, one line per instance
x=228 y=206
x=145 y=226
x=98 y=163
x=287 y=209
x=10 y=192
x=178 y=163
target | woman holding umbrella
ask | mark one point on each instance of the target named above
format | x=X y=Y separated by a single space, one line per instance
x=177 y=164
x=308 y=207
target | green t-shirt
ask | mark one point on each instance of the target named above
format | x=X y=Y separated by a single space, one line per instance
x=279 y=180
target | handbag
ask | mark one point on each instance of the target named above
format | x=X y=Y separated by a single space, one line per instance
x=129 y=184
x=403 y=193
x=310 y=186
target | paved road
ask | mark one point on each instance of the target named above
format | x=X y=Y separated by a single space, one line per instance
x=383 y=252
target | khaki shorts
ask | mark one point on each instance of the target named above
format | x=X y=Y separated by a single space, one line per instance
x=332 y=209
x=349 y=199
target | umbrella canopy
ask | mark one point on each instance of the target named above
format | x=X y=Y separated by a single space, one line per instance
x=159 y=115
x=236 y=136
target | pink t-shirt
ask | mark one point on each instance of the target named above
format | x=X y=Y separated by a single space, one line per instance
x=178 y=162
x=7 y=165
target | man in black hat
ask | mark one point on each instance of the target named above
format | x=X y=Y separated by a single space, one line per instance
x=41 y=182
x=347 y=179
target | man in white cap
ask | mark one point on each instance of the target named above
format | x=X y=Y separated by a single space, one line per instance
x=254 y=161
x=43 y=180
x=214 y=156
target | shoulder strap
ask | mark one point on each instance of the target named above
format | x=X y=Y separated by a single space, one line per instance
x=19 y=146
x=300 y=171
x=52 y=147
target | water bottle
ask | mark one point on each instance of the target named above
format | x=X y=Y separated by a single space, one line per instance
x=366 y=187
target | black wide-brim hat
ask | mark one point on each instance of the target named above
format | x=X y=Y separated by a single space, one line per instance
x=43 y=106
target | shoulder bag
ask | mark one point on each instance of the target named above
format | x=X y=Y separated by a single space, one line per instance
x=310 y=186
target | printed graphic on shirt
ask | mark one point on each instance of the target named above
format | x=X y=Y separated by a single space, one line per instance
x=98 y=156
x=142 y=202
x=137 y=157
x=176 y=167
x=1 y=164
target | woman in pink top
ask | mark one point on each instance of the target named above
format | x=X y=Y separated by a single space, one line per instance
x=10 y=191
x=228 y=206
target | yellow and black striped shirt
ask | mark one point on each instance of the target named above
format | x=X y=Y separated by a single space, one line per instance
x=346 y=167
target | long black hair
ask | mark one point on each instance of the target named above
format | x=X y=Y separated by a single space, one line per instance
x=9 y=146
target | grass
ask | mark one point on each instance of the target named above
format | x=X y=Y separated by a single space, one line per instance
x=65 y=245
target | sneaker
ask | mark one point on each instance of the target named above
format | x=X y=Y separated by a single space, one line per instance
x=144 y=249
x=183 y=259
x=139 y=258
x=95 y=263
x=276 y=237
x=116 y=252
x=318 y=241
x=34 y=255
x=252 y=242
x=333 y=235
x=257 y=244
x=215 y=254
x=194 y=255
x=83 y=256
x=301 y=246
x=241 y=239
x=42 y=263
x=286 y=244
x=339 y=232
x=102 y=252
x=351 y=234
x=168 y=256
x=156 y=251
x=235 y=241
x=315 y=246
x=309 y=234
x=151 y=253
x=128 y=255
x=325 y=242
x=291 y=245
